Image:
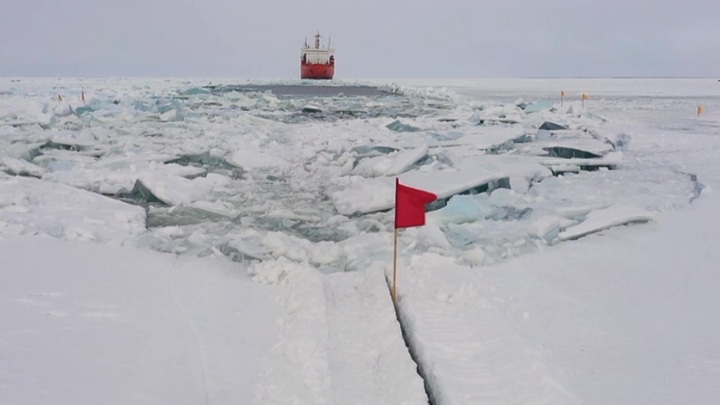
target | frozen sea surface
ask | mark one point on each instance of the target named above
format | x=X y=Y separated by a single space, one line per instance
x=217 y=165
x=240 y=233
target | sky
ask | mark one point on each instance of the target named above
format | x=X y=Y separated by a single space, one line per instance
x=373 y=38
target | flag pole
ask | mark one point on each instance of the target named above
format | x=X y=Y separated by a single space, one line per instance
x=395 y=255
x=393 y=290
x=409 y=211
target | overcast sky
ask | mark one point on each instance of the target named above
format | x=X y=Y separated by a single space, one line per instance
x=373 y=38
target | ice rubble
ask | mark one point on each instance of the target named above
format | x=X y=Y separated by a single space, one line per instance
x=205 y=160
x=31 y=206
x=598 y=220
x=391 y=164
x=372 y=195
x=20 y=167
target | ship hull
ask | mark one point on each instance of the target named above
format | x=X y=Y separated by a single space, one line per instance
x=317 y=71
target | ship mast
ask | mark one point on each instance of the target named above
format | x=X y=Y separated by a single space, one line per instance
x=317 y=40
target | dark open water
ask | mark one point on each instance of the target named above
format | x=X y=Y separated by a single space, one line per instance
x=302 y=90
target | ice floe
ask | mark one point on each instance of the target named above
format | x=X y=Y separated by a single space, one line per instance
x=598 y=220
x=203 y=159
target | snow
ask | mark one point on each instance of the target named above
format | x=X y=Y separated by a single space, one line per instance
x=174 y=190
x=34 y=207
x=624 y=317
x=97 y=324
x=255 y=159
x=258 y=272
x=334 y=362
x=484 y=138
x=371 y=195
x=600 y=219
x=391 y=164
x=21 y=167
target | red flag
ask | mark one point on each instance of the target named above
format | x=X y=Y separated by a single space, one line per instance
x=410 y=205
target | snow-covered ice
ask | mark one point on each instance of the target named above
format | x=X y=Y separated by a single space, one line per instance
x=197 y=241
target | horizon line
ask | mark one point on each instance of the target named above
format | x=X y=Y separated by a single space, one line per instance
x=340 y=79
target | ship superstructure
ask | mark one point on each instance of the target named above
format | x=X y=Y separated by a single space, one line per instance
x=317 y=62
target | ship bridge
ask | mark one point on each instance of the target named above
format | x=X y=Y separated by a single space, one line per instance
x=317 y=54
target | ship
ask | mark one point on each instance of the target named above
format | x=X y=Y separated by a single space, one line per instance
x=317 y=62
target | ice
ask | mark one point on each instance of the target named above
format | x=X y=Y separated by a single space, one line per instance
x=398 y=126
x=372 y=151
x=537 y=106
x=500 y=205
x=79 y=111
x=44 y=208
x=568 y=144
x=372 y=195
x=171 y=115
x=520 y=169
x=391 y=164
x=497 y=114
x=250 y=159
x=260 y=146
x=546 y=227
x=111 y=176
x=322 y=352
x=484 y=138
x=212 y=208
x=311 y=108
x=252 y=249
x=610 y=160
x=206 y=161
x=194 y=91
x=464 y=208
x=622 y=141
x=24 y=151
x=145 y=310
x=551 y=126
x=234 y=179
x=447 y=183
x=452 y=360
x=20 y=167
x=575 y=151
x=174 y=190
x=598 y=220
x=71 y=141
x=361 y=195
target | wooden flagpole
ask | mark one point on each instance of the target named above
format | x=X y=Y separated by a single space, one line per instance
x=395 y=255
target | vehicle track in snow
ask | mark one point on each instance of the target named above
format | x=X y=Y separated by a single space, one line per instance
x=368 y=360
x=193 y=347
